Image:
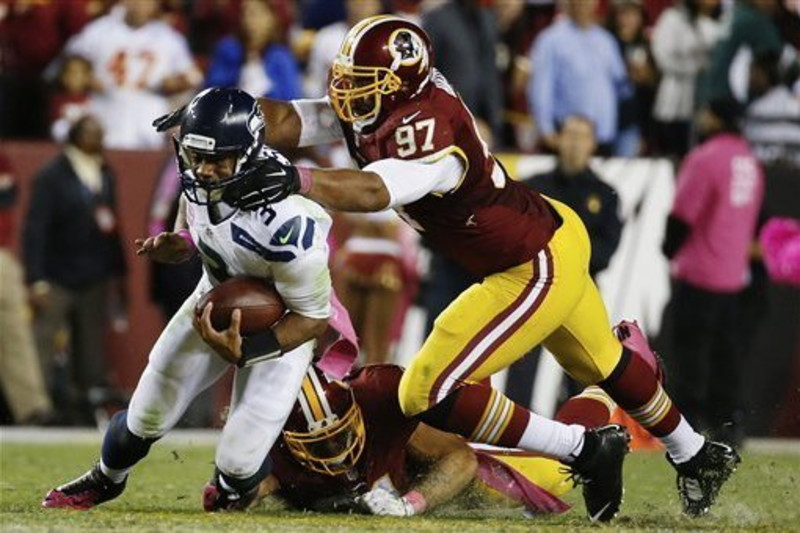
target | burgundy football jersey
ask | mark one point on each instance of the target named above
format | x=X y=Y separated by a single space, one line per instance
x=489 y=223
x=384 y=456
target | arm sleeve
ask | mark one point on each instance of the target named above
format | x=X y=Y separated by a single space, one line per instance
x=619 y=72
x=665 y=49
x=408 y=181
x=694 y=189
x=676 y=234
x=305 y=284
x=82 y=44
x=318 y=122
x=541 y=87
x=35 y=232
x=606 y=240
x=119 y=264
x=182 y=62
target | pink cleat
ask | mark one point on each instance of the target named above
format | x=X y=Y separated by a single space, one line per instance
x=92 y=488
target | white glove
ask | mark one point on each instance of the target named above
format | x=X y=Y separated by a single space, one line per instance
x=380 y=501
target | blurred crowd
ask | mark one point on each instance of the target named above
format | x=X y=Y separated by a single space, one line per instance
x=638 y=69
x=573 y=78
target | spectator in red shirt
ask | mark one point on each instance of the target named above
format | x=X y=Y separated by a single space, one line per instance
x=33 y=34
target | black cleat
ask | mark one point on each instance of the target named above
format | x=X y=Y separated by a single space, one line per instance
x=92 y=488
x=701 y=477
x=598 y=469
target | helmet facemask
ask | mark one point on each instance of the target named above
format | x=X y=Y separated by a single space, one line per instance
x=355 y=92
x=383 y=61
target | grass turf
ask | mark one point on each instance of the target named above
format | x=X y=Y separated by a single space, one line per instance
x=164 y=494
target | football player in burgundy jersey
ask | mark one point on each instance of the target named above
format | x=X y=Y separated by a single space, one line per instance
x=347 y=446
x=420 y=153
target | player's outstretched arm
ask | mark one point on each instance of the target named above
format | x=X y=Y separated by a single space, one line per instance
x=454 y=464
x=283 y=122
x=346 y=189
x=166 y=247
x=453 y=468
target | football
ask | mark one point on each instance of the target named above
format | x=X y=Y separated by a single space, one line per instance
x=260 y=303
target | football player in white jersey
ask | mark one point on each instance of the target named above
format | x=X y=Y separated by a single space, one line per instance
x=220 y=143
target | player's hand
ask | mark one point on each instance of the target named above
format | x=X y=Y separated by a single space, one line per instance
x=269 y=181
x=380 y=501
x=166 y=247
x=170 y=120
x=227 y=343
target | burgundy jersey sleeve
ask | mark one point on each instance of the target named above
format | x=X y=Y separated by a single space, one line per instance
x=384 y=457
x=489 y=222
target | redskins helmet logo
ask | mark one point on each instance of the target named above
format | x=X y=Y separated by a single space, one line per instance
x=407 y=49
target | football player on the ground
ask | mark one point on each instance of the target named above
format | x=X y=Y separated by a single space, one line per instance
x=421 y=154
x=220 y=145
x=347 y=447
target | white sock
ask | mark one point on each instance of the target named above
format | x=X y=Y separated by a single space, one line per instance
x=552 y=438
x=116 y=476
x=683 y=443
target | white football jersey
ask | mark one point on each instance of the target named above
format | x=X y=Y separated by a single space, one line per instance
x=131 y=64
x=285 y=242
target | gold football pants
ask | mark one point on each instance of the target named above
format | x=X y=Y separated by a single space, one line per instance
x=549 y=300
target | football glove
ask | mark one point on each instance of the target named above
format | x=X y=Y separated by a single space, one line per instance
x=170 y=120
x=267 y=182
x=380 y=501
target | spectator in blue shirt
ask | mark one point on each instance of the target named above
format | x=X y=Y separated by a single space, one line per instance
x=254 y=60
x=577 y=70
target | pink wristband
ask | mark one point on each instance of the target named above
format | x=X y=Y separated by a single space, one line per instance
x=186 y=236
x=417 y=501
x=306 y=179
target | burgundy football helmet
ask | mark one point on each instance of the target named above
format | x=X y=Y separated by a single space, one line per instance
x=325 y=430
x=383 y=61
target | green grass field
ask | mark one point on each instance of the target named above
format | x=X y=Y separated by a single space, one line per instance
x=164 y=494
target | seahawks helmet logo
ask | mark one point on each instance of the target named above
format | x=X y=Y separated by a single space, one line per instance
x=255 y=122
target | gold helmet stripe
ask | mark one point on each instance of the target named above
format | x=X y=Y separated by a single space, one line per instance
x=357 y=32
x=312 y=399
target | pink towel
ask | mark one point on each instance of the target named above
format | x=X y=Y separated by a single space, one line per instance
x=780 y=243
x=339 y=347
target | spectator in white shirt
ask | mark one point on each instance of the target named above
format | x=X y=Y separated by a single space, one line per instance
x=138 y=62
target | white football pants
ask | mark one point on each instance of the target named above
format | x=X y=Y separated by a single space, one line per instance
x=181 y=365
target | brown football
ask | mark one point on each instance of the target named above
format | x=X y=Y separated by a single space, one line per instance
x=260 y=303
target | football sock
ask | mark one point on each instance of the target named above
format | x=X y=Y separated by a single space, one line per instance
x=483 y=414
x=591 y=408
x=683 y=443
x=116 y=475
x=121 y=448
x=634 y=386
x=247 y=484
x=552 y=438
